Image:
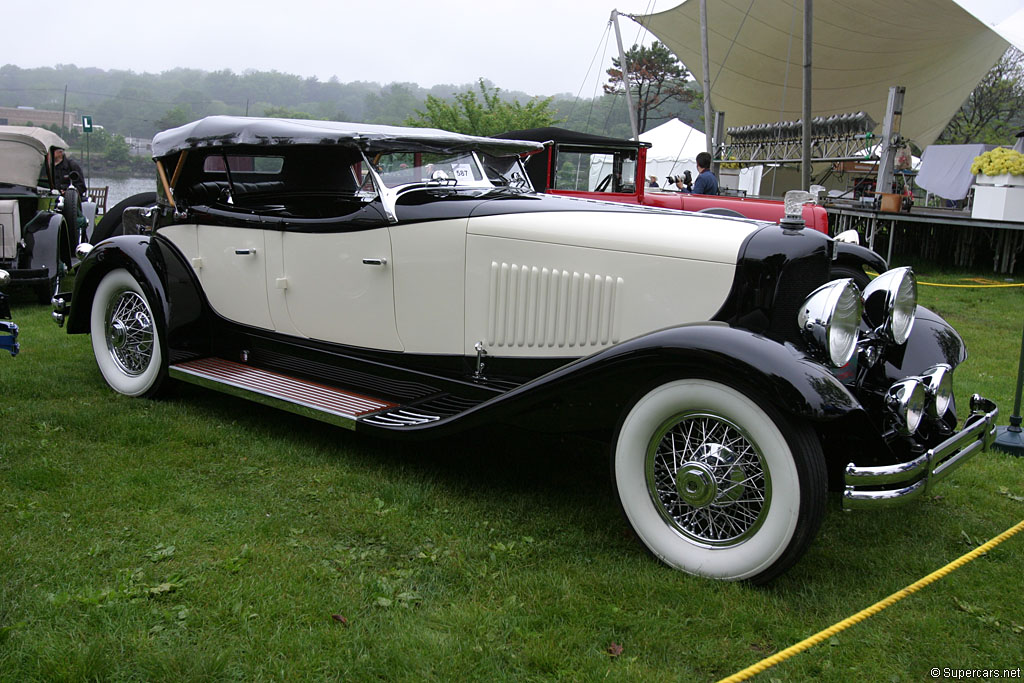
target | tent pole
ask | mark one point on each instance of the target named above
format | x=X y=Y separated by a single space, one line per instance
x=625 y=75
x=706 y=68
x=805 y=163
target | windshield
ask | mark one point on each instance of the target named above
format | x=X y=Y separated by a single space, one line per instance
x=404 y=168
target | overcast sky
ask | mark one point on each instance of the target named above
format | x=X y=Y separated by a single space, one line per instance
x=541 y=47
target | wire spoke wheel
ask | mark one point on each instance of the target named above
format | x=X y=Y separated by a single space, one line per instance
x=708 y=479
x=126 y=336
x=717 y=482
x=129 y=332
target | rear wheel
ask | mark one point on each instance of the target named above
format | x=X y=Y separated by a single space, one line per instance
x=717 y=483
x=126 y=336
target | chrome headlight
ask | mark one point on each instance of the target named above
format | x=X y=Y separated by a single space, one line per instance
x=5 y=278
x=829 y=319
x=905 y=401
x=890 y=304
x=938 y=389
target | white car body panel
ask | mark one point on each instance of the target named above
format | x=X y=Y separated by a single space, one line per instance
x=533 y=291
x=333 y=296
x=235 y=283
x=554 y=285
x=430 y=261
x=689 y=236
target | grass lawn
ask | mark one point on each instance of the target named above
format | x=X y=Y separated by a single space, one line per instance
x=200 y=537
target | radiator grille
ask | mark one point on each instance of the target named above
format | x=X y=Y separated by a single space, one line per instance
x=546 y=307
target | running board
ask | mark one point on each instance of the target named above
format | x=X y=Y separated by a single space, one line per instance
x=309 y=399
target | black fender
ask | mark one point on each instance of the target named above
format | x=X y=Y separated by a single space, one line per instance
x=169 y=283
x=592 y=393
x=856 y=256
x=931 y=341
x=47 y=242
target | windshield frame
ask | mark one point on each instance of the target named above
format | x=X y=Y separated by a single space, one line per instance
x=389 y=193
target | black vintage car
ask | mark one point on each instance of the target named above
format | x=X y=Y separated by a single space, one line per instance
x=39 y=225
x=410 y=283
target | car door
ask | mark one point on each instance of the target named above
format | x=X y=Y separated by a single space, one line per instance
x=231 y=266
x=339 y=287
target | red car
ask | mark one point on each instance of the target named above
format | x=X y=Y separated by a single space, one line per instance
x=596 y=167
x=611 y=169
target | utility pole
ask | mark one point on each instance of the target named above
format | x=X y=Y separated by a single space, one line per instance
x=625 y=75
x=805 y=163
x=705 y=58
x=63 y=113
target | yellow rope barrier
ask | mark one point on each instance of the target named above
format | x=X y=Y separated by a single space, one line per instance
x=980 y=283
x=778 y=657
x=938 y=284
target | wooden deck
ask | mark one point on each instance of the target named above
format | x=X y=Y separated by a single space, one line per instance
x=943 y=236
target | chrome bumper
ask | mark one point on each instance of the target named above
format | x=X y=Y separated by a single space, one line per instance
x=887 y=485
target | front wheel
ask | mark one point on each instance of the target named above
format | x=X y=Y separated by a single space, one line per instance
x=126 y=336
x=718 y=484
x=859 y=277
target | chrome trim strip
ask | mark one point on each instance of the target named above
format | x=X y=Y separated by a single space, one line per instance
x=929 y=469
x=399 y=418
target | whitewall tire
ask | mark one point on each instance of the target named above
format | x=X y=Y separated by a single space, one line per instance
x=716 y=484
x=126 y=336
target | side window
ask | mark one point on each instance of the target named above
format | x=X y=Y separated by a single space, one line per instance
x=258 y=165
x=591 y=171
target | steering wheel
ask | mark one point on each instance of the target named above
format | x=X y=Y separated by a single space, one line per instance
x=603 y=185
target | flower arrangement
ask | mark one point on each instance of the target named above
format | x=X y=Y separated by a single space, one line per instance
x=999 y=161
x=729 y=164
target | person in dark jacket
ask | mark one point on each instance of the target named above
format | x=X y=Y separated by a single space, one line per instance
x=63 y=167
x=706 y=182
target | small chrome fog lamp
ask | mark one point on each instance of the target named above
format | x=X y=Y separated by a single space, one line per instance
x=890 y=304
x=938 y=389
x=82 y=250
x=829 y=319
x=5 y=278
x=905 y=401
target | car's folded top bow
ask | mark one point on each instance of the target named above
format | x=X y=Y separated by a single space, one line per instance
x=221 y=131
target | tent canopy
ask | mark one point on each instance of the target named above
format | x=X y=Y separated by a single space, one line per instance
x=938 y=49
x=674 y=149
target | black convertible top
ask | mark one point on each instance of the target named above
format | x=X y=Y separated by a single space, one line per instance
x=563 y=136
x=228 y=131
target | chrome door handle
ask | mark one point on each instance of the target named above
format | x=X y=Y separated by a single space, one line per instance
x=375 y=261
x=245 y=252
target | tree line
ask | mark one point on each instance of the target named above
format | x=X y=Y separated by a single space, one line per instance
x=129 y=104
x=133 y=104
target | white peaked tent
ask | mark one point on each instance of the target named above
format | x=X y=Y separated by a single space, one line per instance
x=938 y=49
x=674 y=149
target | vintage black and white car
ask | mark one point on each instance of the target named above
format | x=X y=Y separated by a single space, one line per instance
x=409 y=282
x=40 y=226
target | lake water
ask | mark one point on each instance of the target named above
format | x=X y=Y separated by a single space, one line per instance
x=122 y=188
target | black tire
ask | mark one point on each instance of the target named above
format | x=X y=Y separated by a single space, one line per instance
x=859 y=277
x=718 y=483
x=110 y=225
x=126 y=336
x=70 y=212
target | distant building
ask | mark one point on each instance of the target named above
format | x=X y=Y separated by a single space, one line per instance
x=20 y=116
x=140 y=146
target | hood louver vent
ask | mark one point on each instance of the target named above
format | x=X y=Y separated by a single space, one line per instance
x=544 y=307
